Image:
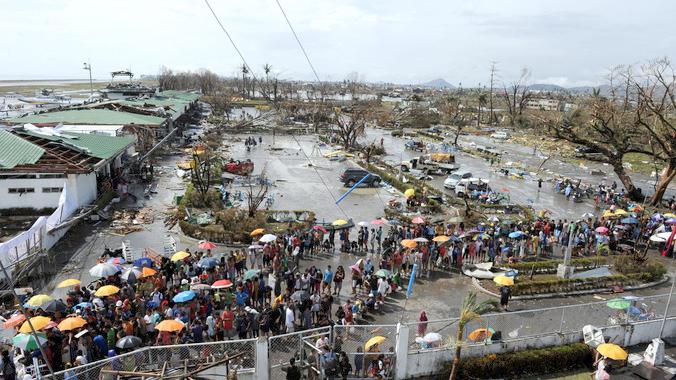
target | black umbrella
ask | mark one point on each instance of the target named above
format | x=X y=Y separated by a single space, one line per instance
x=128 y=341
x=300 y=296
x=53 y=306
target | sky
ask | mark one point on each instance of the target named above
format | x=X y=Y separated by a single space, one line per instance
x=568 y=43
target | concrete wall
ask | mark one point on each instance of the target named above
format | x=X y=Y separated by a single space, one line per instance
x=424 y=363
x=83 y=187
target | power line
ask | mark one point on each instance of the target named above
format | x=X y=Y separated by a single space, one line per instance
x=298 y=40
x=231 y=40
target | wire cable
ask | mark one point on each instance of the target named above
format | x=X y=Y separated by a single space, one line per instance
x=298 y=40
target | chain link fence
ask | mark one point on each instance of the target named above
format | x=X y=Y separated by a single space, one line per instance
x=299 y=345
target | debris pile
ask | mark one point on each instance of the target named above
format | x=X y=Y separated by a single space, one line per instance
x=127 y=221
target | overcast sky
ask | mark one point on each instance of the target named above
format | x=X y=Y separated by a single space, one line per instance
x=405 y=41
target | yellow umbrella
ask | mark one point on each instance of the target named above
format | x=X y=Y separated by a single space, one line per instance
x=180 y=255
x=408 y=243
x=373 y=341
x=409 y=193
x=670 y=215
x=480 y=334
x=38 y=323
x=340 y=222
x=71 y=323
x=170 y=325
x=107 y=290
x=612 y=351
x=620 y=212
x=67 y=283
x=39 y=300
x=441 y=238
x=504 y=280
x=257 y=232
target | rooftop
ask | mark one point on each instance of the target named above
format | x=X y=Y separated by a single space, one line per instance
x=96 y=145
x=89 y=116
x=17 y=151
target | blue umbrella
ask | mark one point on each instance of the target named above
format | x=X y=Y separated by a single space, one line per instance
x=670 y=221
x=394 y=222
x=506 y=249
x=515 y=234
x=208 y=262
x=185 y=296
x=634 y=311
x=144 y=262
x=84 y=305
x=629 y=221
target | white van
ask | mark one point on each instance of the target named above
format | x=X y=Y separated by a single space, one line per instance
x=455 y=178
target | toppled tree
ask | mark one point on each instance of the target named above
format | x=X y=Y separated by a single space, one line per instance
x=350 y=126
x=656 y=106
x=516 y=96
x=607 y=124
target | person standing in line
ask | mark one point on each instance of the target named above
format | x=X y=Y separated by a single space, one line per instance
x=505 y=295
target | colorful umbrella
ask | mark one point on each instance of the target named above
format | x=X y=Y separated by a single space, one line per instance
x=102 y=270
x=128 y=342
x=84 y=305
x=602 y=230
x=670 y=221
x=184 y=296
x=355 y=268
x=208 y=262
x=612 y=351
x=418 y=220
x=629 y=221
x=144 y=262
x=147 y=272
x=257 y=231
x=170 y=325
x=71 y=323
x=38 y=323
x=432 y=337
x=378 y=222
x=339 y=222
x=320 y=228
x=14 y=321
x=268 y=238
x=27 y=342
x=409 y=193
x=660 y=237
x=206 y=245
x=251 y=273
x=408 y=243
x=132 y=274
x=374 y=341
x=68 y=282
x=39 y=300
x=480 y=334
x=515 y=234
x=383 y=273
x=180 y=255
x=618 y=304
x=421 y=240
x=107 y=290
x=441 y=238
x=116 y=260
x=362 y=224
x=620 y=212
x=221 y=284
x=670 y=215
x=503 y=280
x=199 y=287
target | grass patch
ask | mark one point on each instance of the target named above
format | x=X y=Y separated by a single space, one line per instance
x=642 y=163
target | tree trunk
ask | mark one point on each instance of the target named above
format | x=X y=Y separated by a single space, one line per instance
x=457 y=135
x=663 y=183
x=631 y=190
x=458 y=349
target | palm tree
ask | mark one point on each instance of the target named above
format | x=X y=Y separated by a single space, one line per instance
x=470 y=311
x=482 y=103
x=245 y=71
x=267 y=68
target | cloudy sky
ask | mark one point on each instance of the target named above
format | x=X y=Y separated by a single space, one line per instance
x=562 y=42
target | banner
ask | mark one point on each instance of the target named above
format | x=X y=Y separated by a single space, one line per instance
x=409 y=290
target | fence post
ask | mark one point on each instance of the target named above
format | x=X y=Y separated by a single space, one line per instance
x=262 y=367
x=563 y=318
x=401 y=351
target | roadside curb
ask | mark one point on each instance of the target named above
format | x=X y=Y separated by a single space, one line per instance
x=477 y=284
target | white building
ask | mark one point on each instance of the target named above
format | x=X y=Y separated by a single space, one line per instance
x=543 y=104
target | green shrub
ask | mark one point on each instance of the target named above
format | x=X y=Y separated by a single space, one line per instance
x=520 y=364
x=564 y=285
x=649 y=270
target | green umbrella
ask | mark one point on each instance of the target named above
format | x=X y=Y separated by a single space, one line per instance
x=384 y=273
x=27 y=341
x=251 y=273
x=619 y=304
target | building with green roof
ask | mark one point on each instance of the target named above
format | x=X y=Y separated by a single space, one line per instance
x=90 y=117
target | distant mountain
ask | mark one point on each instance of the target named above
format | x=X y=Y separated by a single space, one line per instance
x=545 y=87
x=438 y=83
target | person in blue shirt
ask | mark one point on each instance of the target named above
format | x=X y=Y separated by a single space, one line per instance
x=101 y=346
x=328 y=279
x=241 y=296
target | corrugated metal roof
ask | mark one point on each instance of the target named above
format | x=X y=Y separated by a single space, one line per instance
x=16 y=151
x=95 y=145
x=90 y=116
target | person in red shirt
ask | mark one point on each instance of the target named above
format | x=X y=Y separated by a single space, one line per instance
x=228 y=318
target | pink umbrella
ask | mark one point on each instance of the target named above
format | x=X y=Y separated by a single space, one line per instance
x=378 y=222
x=320 y=228
x=418 y=220
x=206 y=245
x=602 y=230
x=355 y=268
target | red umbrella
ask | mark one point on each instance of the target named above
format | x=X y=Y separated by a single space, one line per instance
x=418 y=220
x=221 y=284
x=14 y=321
x=206 y=245
x=378 y=222
x=320 y=228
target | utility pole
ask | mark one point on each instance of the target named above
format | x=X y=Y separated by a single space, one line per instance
x=494 y=69
x=88 y=66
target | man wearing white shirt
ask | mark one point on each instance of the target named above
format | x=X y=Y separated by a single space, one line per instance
x=290 y=319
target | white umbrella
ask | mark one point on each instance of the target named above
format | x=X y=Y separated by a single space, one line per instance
x=660 y=237
x=103 y=270
x=421 y=240
x=432 y=337
x=362 y=224
x=267 y=238
x=587 y=215
x=131 y=274
x=493 y=219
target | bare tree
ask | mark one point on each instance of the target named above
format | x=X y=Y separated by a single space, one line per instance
x=656 y=105
x=351 y=126
x=245 y=71
x=451 y=114
x=491 y=116
x=517 y=95
x=201 y=171
x=256 y=191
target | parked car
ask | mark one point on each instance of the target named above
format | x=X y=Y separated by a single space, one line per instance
x=500 y=135
x=467 y=185
x=351 y=176
x=452 y=180
x=586 y=151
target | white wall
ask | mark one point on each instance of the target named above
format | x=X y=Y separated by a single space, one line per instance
x=82 y=186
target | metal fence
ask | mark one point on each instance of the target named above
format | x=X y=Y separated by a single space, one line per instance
x=504 y=327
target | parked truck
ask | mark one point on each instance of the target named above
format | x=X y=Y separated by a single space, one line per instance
x=435 y=163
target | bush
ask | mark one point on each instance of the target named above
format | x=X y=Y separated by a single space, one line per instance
x=563 y=285
x=550 y=266
x=520 y=364
x=649 y=270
